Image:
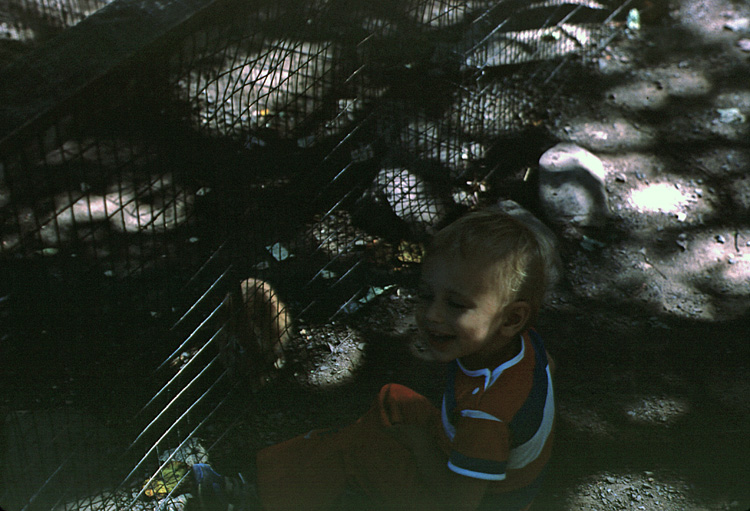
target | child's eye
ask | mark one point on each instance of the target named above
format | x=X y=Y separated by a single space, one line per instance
x=457 y=305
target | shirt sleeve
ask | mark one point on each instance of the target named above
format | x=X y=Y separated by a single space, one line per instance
x=481 y=446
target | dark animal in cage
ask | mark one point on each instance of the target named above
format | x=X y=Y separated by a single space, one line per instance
x=260 y=330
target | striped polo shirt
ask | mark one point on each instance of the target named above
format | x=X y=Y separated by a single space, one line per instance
x=499 y=421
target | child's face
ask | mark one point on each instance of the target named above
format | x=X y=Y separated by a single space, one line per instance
x=460 y=313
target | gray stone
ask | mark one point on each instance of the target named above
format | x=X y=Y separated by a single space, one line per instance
x=422 y=205
x=571 y=186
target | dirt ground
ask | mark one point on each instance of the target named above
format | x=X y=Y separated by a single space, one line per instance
x=649 y=326
x=650 y=323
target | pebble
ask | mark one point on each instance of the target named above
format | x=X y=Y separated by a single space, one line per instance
x=738 y=25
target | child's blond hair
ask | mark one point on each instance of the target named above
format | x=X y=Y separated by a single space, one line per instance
x=522 y=257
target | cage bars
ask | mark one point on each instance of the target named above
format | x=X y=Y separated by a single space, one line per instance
x=328 y=110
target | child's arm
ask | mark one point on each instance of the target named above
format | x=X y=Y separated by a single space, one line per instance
x=443 y=489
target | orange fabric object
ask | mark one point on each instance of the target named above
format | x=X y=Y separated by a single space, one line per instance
x=306 y=472
x=312 y=471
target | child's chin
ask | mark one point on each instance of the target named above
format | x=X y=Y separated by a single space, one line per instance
x=422 y=350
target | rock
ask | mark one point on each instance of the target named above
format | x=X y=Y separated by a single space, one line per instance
x=738 y=25
x=420 y=204
x=731 y=115
x=571 y=186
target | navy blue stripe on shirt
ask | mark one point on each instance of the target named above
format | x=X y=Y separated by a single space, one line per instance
x=450 y=390
x=529 y=417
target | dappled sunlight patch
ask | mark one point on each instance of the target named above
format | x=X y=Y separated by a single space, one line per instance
x=737 y=98
x=701 y=18
x=660 y=198
x=644 y=194
x=637 y=491
x=693 y=273
x=729 y=123
x=660 y=87
x=657 y=410
x=327 y=355
x=715 y=265
x=585 y=420
x=724 y=258
x=675 y=268
x=13 y=32
x=614 y=134
x=644 y=95
x=684 y=82
x=683 y=299
x=672 y=203
x=737 y=271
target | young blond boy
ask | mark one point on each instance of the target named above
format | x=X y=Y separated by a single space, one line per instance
x=483 y=281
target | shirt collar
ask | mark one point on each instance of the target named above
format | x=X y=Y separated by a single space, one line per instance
x=491 y=375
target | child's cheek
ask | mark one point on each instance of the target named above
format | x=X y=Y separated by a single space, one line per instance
x=464 y=322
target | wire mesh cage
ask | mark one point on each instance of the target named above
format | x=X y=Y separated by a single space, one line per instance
x=25 y=24
x=183 y=182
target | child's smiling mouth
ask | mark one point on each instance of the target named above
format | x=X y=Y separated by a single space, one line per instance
x=439 y=341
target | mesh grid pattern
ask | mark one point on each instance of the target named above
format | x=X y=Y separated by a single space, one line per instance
x=254 y=164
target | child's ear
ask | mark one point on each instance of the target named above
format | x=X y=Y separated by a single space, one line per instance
x=516 y=315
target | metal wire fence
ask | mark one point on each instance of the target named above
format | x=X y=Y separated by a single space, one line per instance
x=182 y=181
